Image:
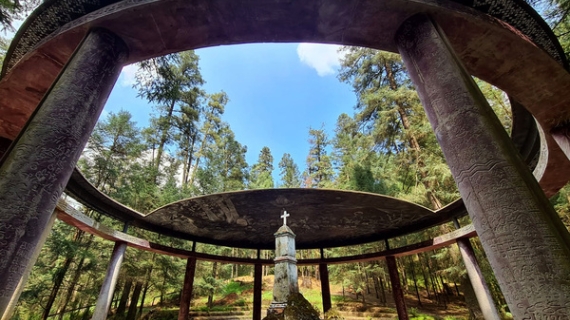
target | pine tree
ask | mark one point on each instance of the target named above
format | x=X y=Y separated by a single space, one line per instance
x=290 y=176
x=261 y=172
x=173 y=83
x=389 y=110
x=319 y=172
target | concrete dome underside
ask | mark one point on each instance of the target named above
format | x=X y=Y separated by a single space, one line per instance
x=320 y=218
x=517 y=54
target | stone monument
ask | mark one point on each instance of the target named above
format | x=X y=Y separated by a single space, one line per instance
x=285 y=282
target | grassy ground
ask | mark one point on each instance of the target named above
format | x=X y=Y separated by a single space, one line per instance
x=428 y=310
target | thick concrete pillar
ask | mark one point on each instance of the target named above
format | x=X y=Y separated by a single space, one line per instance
x=24 y=279
x=325 y=286
x=397 y=288
x=477 y=280
x=186 y=296
x=109 y=283
x=523 y=237
x=37 y=168
x=257 y=290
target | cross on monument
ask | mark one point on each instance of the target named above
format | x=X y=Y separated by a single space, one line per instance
x=284 y=217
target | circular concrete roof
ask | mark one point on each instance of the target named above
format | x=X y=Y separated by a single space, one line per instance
x=319 y=217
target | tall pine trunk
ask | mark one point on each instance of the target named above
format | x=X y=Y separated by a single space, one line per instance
x=132 y=314
x=415 y=281
x=413 y=141
x=124 y=298
x=60 y=276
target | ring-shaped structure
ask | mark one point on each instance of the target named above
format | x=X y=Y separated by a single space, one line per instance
x=517 y=54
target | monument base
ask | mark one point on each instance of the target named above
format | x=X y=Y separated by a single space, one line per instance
x=276 y=308
x=296 y=307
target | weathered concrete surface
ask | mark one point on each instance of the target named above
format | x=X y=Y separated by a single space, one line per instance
x=239 y=219
x=109 y=283
x=525 y=241
x=24 y=279
x=478 y=283
x=34 y=174
x=77 y=219
x=286 y=281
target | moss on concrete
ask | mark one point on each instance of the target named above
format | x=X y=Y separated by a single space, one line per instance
x=298 y=308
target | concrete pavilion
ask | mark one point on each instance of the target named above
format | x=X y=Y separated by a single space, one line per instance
x=66 y=57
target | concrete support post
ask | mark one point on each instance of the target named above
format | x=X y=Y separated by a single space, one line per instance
x=477 y=280
x=37 y=168
x=523 y=237
x=257 y=290
x=397 y=288
x=24 y=279
x=325 y=287
x=186 y=296
x=109 y=283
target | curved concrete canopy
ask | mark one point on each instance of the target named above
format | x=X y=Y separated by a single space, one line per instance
x=248 y=219
x=491 y=49
x=319 y=217
x=75 y=218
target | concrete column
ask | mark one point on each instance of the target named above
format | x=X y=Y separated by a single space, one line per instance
x=24 y=279
x=37 y=167
x=397 y=288
x=186 y=296
x=325 y=287
x=523 y=237
x=480 y=287
x=108 y=287
x=257 y=288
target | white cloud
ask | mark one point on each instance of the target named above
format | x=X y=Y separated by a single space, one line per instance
x=324 y=58
x=127 y=77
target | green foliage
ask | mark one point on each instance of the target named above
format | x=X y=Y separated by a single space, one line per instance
x=235 y=287
x=290 y=176
x=11 y=10
x=261 y=172
x=333 y=314
x=389 y=133
x=319 y=172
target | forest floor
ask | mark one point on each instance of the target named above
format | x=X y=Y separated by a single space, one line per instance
x=448 y=307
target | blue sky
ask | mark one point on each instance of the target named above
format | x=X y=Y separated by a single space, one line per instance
x=277 y=92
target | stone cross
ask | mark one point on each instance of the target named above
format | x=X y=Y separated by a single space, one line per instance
x=284 y=217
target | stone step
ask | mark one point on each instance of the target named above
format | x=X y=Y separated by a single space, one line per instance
x=213 y=317
x=219 y=313
x=366 y=315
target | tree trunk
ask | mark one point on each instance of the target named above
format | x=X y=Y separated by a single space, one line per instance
x=57 y=281
x=426 y=282
x=124 y=298
x=71 y=288
x=413 y=141
x=382 y=288
x=367 y=281
x=145 y=289
x=59 y=276
x=433 y=283
x=132 y=314
x=74 y=281
x=163 y=138
x=415 y=282
x=376 y=285
x=147 y=283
